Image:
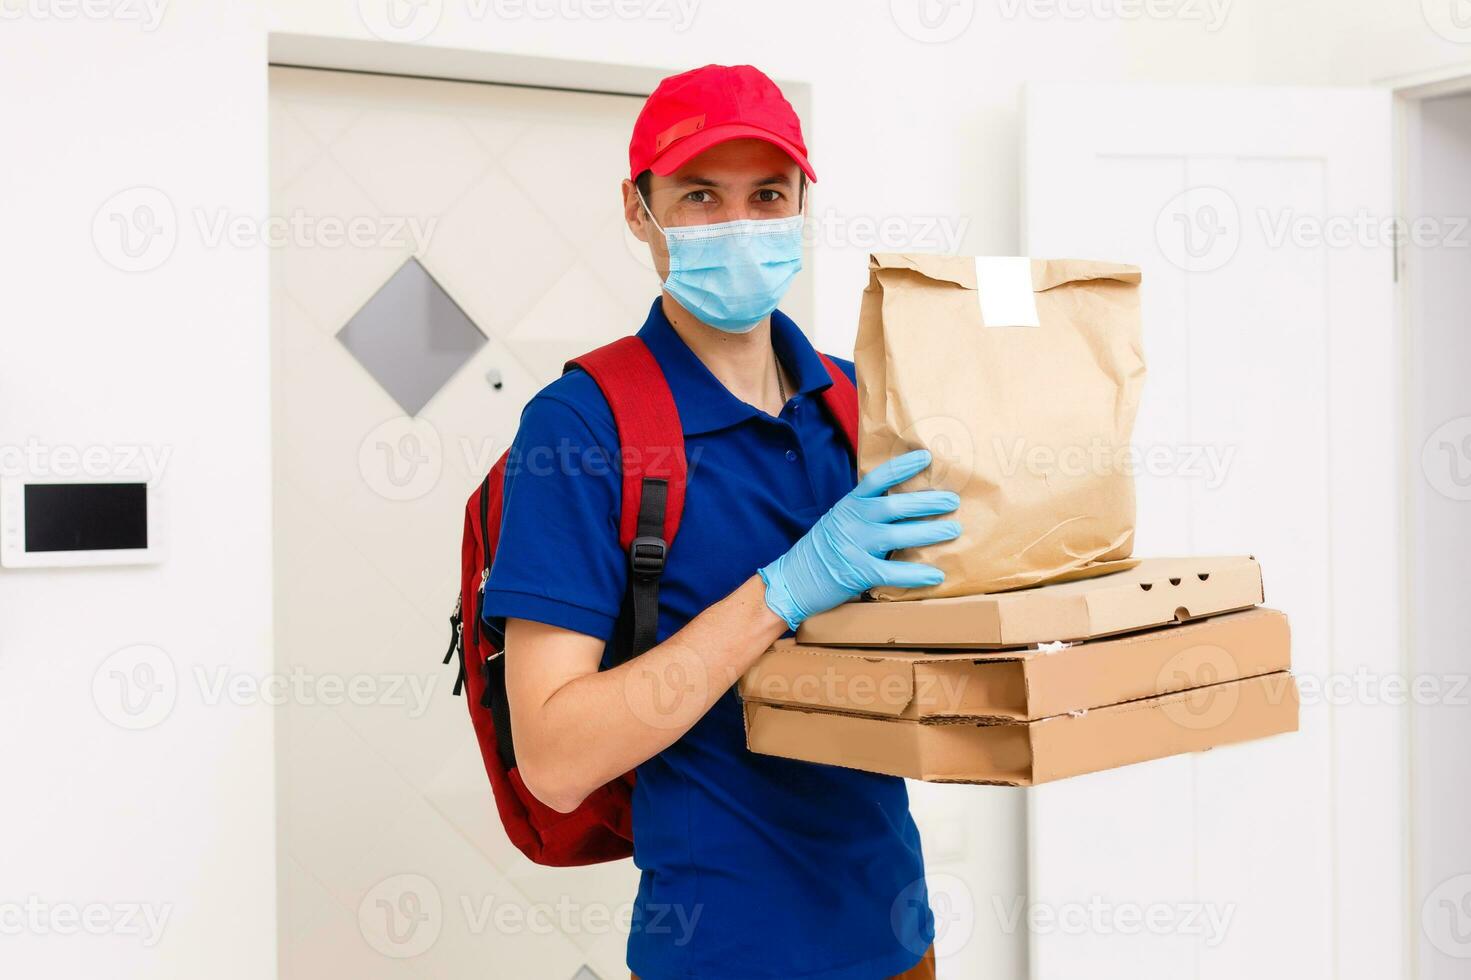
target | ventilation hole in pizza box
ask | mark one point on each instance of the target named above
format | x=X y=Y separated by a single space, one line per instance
x=1174 y=581
x=1146 y=586
x=1203 y=576
x=1182 y=614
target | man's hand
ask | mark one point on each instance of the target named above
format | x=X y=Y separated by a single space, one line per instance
x=843 y=554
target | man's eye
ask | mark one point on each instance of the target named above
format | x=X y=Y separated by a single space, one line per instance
x=698 y=197
x=768 y=196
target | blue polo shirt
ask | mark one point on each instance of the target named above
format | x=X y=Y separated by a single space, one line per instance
x=753 y=866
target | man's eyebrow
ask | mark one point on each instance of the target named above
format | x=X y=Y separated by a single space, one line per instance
x=697 y=181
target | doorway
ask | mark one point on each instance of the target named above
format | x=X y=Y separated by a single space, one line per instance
x=1436 y=282
x=441 y=248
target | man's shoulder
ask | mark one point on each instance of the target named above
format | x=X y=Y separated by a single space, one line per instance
x=572 y=400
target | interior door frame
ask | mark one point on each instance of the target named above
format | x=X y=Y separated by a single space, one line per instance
x=1410 y=94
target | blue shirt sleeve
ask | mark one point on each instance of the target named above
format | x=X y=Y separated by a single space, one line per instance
x=558 y=560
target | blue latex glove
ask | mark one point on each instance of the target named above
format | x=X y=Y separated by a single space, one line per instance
x=843 y=554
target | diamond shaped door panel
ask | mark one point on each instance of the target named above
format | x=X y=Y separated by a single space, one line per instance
x=411 y=336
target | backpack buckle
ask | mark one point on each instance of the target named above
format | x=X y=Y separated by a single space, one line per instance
x=646 y=555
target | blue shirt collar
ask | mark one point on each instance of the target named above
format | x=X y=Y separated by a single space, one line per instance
x=704 y=403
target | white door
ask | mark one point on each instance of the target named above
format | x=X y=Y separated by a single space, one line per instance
x=442 y=247
x=1269 y=427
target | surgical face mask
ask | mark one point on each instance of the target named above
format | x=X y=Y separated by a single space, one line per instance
x=732 y=274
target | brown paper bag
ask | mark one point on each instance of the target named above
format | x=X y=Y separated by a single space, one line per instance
x=1022 y=377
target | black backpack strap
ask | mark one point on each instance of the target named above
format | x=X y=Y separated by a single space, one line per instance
x=495 y=700
x=457 y=643
x=646 y=556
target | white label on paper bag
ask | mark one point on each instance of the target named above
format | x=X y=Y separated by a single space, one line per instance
x=1004 y=288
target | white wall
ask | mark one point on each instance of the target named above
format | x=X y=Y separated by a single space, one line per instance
x=176 y=357
x=1358 y=41
x=177 y=817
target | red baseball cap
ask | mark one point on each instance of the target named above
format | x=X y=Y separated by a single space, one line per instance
x=693 y=111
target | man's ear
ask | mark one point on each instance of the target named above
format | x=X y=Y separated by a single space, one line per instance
x=634 y=213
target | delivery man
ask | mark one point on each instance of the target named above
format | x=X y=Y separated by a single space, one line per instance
x=752 y=866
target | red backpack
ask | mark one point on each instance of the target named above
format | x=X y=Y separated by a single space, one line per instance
x=649 y=431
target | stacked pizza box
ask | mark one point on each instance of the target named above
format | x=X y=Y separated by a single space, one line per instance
x=1162 y=657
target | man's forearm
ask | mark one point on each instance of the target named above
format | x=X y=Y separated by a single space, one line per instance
x=599 y=725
